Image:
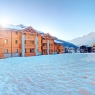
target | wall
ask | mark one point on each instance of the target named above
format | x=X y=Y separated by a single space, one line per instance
x=16 y=35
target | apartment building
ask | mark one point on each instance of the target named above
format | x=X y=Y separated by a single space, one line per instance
x=16 y=41
x=58 y=47
x=47 y=44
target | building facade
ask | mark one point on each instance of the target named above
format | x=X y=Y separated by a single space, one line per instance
x=47 y=44
x=26 y=41
x=58 y=47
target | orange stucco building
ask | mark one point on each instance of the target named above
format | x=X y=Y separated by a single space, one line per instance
x=26 y=41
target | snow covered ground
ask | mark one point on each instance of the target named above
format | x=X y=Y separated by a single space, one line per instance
x=63 y=74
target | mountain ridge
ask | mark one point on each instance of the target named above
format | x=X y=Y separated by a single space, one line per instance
x=88 y=39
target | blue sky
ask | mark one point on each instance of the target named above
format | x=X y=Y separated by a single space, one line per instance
x=65 y=19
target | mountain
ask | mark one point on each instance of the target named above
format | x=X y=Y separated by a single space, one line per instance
x=88 y=39
x=68 y=44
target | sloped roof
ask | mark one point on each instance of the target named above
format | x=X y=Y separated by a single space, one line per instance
x=40 y=32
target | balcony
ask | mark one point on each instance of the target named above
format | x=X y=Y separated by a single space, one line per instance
x=61 y=47
x=50 y=47
x=44 y=53
x=29 y=38
x=30 y=46
x=61 y=52
x=1 y=45
x=51 y=41
x=44 y=47
x=44 y=41
x=1 y=35
x=30 y=54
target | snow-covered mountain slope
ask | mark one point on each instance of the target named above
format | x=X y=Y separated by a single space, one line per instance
x=85 y=40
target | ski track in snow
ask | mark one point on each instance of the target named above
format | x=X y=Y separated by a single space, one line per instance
x=63 y=74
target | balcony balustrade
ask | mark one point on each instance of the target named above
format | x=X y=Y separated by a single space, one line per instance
x=44 y=47
x=29 y=38
x=29 y=46
x=44 y=41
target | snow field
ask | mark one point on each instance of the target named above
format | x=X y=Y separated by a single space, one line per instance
x=63 y=74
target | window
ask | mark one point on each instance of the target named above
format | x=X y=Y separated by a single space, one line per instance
x=31 y=42
x=16 y=33
x=16 y=41
x=16 y=51
x=6 y=51
x=31 y=50
x=25 y=42
x=6 y=41
x=43 y=51
x=25 y=50
x=51 y=50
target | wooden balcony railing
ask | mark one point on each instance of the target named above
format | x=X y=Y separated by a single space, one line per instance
x=44 y=41
x=50 y=47
x=44 y=53
x=51 y=41
x=61 y=47
x=44 y=47
x=30 y=46
x=61 y=52
x=29 y=38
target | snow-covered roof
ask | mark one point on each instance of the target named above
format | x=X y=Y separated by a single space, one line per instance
x=58 y=42
x=54 y=37
x=15 y=27
x=40 y=32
